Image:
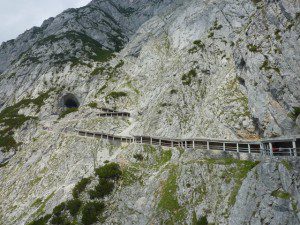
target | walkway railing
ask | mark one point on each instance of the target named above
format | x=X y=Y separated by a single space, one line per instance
x=114 y=114
x=280 y=152
x=239 y=146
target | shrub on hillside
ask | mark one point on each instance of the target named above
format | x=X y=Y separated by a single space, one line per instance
x=91 y=211
x=109 y=171
x=74 y=206
x=105 y=187
x=80 y=187
x=57 y=211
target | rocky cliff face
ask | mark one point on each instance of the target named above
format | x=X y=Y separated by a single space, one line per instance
x=218 y=69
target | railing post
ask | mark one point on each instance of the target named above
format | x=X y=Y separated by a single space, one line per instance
x=237 y=147
x=159 y=142
x=151 y=141
x=186 y=144
x=291 y=152
x=271 y=149
x=262 y=151
x=294 y=148
x=224 y=146
x=249 y=149
x=208 y=145
x=193 y=144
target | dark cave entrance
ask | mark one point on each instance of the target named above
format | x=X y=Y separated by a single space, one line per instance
x=70 y=101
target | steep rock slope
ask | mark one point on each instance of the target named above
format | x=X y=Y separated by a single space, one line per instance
x=223 y=69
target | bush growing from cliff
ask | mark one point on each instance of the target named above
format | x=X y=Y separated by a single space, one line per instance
x=93 y=105
x=115 y=95
x=57 y=211
x=187 y=78
x=104 y=188
x=80 y=187
x=60 y=220
x=74 y=206
x=91 y=211
x=109 y=171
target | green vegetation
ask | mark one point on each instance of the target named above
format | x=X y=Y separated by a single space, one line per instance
x=138 y=157
x=253 y=48
x=287 y=165
x=97 y=71
x=11 y=120
x=96 y=53
x=91 y=211
x=3 y=164
x=281 y=194
x=278 y=36
x=129 y=176
x=120 y=64
x=109 y=171
x=266 y=66
x=103 y=188
x=201 y=221
x=59 y=209
x=37 y=202
x=256 y=1
x=239 y=174
x=67 y=111
x=93 y=105
x=168 y=201
x=41 y=209
x=210 y=34
x=173 y=91
x=187 y=78
x=216 y=26
x=115 y=95
x=81 y=212
x=295 y=113
x=198 y=45
x=165 y=104
x=80 y=187
x=74 y=206
x=41 y=221
x=60 y=220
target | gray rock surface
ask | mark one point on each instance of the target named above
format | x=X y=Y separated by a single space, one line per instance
x=184 y=68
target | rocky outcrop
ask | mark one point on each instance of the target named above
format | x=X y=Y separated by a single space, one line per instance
x=183 y=69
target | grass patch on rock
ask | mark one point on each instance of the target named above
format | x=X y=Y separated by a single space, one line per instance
x=169 y=200
x=281 y=194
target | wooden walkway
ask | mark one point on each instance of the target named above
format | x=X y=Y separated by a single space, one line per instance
x=265 y=147
x=112 y=113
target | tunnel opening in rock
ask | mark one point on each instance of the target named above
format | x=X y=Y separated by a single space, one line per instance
x=70 y=101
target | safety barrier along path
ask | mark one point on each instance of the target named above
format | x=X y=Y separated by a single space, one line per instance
x=265 y=147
